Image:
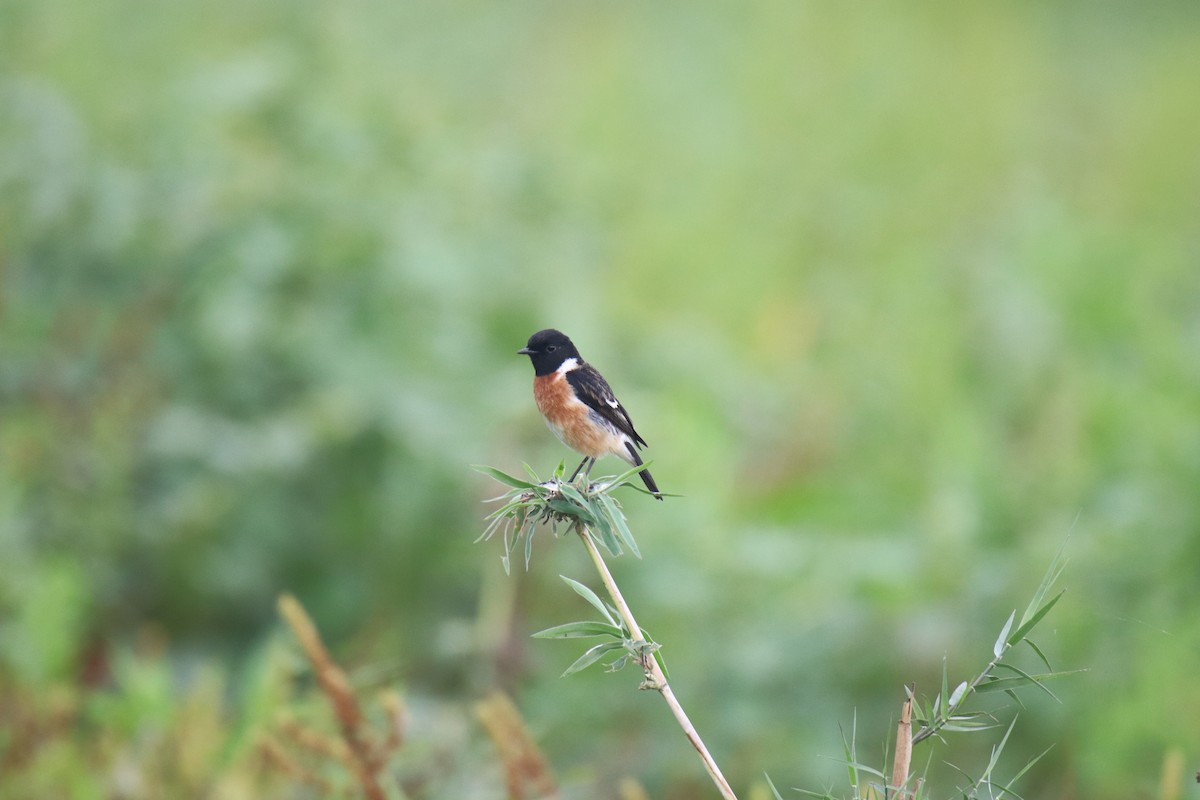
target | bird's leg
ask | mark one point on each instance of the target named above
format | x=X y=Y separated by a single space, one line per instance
x=587 y=478
x=575 y=474
x=587 y=474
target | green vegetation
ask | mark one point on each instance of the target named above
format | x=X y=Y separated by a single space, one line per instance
x=899 y=296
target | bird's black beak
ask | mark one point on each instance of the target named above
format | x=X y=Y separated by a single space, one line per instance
x=524 y=351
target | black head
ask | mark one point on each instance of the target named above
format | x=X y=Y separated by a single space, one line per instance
x=548 y=349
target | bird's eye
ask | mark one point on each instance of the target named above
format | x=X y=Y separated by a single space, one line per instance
x=551 y=348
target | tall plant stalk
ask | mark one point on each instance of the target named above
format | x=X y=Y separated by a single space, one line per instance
x=592 y=513
x=655 y=679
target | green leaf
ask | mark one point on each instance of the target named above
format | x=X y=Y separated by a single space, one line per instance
x=662 y=664
x=657 y=651
x=508 y=509
x=619 y=480
x=490 y=530
x=956 y=696
x=849 y=748
x=1027 y=676
x=860 y=767
x=528 y=548
x=603 y=536
x=1040 y=654
x=997 y=750
x=968 y=727
x=1001 y=684
x=1028 y=625
x=602 y=525
x=503 y=477
x=1005 y=789
x=579 y=630
x=590 y=596
x=1002 y=640
x=569 y=509
x=591 y=656
x=775 y=791
x=570 y=492
x=1057 y=565
x=927 y=710
x=944 y=697
x=617 y=664
x=617 y=520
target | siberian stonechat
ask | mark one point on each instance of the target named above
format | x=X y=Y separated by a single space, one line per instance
x=579 y=406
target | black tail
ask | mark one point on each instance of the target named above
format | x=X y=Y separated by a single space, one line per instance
x=645 y=475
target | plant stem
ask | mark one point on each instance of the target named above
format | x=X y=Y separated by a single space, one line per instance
x=655 y=679
x=903 y=758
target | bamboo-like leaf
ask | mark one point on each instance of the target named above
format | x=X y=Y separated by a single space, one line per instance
x=775 y=791
x=1040 y=654
x=1005 y=789
x=506 y=510
x=528 y=548
x=849 y=749
x=606 y=539
x=1001 y=684
x=860 y=767
x=1002 y=640
x=489 y=530
x=603 y=524
x=580 y=630
x=944 y=696
x=618 y=522
x=590 y=596
x=502 y=477
x=619 y=480
x=1029 y=677
x=570 y=509
x=968 y=727
x=591 y=656
x=617 y=664
x=657 y=651
x=573 y=494
x=1057 y=565
x=997 y=750
x=1028 y=625
x=662 y=664
x=928 y=711
x=962 y=772
x=956 y=696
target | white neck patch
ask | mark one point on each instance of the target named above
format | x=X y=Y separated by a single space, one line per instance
x=568 y=365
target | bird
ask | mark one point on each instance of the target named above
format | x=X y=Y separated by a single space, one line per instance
x=579 y=406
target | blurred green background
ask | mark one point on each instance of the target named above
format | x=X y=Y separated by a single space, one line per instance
x=900 y=297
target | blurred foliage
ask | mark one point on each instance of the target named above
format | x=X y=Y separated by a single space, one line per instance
x=898 y=295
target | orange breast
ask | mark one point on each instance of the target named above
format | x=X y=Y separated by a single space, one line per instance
x=572 y=421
